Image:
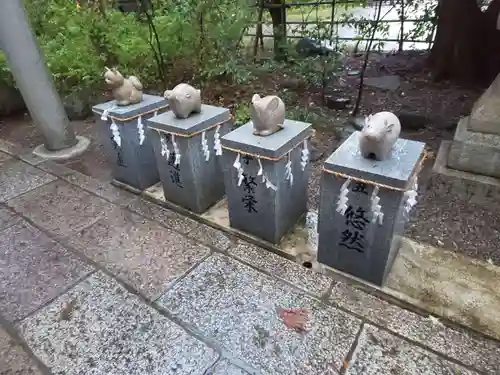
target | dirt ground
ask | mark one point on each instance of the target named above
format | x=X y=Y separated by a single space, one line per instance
x=434 y=109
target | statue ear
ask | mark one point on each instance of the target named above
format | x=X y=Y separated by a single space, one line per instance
x=199 y=92
x=255 y=98
x=167 y=94
x=273 y=104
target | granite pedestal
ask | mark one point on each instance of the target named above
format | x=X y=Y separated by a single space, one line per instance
x=474 y=152
x=268 y=204
x=186 y=155
x=126 y=142
x=357 y=242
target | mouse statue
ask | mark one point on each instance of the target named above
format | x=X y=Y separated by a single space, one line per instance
x=183 y=100
x=125 y=90
x=379 y=134
x=267 y=113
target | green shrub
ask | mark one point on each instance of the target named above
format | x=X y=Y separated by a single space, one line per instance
x=197 y=36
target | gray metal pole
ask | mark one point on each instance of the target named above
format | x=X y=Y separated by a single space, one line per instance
x=34 y=81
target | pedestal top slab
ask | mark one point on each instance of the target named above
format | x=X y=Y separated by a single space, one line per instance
x=196 y=122
x=272 y=146
x=396 y=171
x=150 y=103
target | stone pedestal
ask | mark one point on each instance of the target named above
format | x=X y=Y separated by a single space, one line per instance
x=266 y=179
x=126 y=141
x=360 y=238
x=475 y=152
x=187 y=153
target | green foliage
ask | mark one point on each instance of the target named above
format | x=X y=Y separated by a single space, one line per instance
x=241 y=114
x=174 y=37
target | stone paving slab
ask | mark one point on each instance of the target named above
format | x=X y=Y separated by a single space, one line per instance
x=224 y=367
x=164 y=216
x=380 y=353
x=7 y=218
x=460 y=345
x=61 y=208
x=13 y=359
x=4 y=157
x=236 y=306
x=17 y=177
x=99 y=328
x=100 y=188
x=282 y=268
x=33 y=270
x=146 y=255
x=212 y=237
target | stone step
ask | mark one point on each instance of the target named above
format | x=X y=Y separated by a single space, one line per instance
x=474 y=152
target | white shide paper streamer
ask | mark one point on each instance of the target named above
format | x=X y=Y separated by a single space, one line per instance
x=304 y=159
x=288 y=170
x=376 y=207
x=217 y=145
x=342 y=202
x=239 y=168
x=164 y=146
x=116 y=133
x=140 y=130
x=177 y=152
x=204 y=146
x=269 y=184
x=411 y=196
x=104 y=114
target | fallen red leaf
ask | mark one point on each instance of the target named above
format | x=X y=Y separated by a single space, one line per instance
x=295 y=319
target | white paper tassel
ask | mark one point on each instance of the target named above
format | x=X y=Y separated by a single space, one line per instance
x=239 y=168
x=116 y=133
x=217 y=145
x=288 y=170
x=304 y=159
x=261 y=170
x=204 y=146
x=269 y=184
x=411 y=197
x=376 y=207
x=342 y=202
x=177 y=160
x=104 y=114
x=164 y=146
x=140 y=130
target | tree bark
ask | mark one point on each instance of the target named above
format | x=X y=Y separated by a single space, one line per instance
x=277 y=10
x=467 y=44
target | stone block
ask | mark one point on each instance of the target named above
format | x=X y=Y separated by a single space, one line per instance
x=485 y=114
x=359 y=242
x=267 y=194
x=475 y=152
x=189 y=171
x=125 y=138
x=469 y=187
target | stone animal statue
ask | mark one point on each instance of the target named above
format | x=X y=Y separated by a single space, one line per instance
x=267 y=113
x=126 y=91
x=379 y=134
x=183 y=100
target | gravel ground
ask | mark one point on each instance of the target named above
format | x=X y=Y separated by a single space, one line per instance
x=443 y=221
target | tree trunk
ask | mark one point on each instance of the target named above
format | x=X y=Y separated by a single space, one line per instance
x=466 y=48
x=277 y=10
